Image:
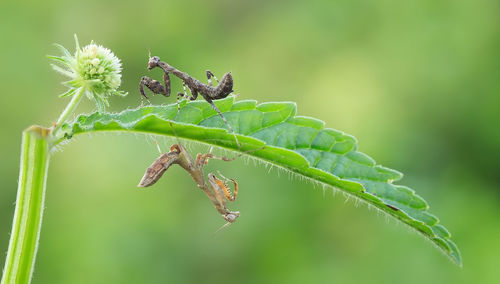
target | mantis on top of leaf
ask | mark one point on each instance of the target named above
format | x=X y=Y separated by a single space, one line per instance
x=208 y=92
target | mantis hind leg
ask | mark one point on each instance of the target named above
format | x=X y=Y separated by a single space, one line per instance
x=225 y=120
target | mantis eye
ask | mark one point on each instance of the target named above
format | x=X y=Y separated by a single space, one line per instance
x=153 y=62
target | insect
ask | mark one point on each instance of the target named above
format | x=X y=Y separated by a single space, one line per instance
x=208 y=92
x=216 y=189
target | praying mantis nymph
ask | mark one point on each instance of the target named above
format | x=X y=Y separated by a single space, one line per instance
x=216 y=189
x=195 y=86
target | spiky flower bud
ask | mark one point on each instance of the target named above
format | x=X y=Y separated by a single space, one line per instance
x=94 y=70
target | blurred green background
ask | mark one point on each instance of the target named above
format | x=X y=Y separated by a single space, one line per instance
x=417 y=82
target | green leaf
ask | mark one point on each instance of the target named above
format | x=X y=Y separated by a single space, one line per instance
x=299 y=144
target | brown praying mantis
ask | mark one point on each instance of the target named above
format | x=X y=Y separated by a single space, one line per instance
x=216 y=189
x=195 y=86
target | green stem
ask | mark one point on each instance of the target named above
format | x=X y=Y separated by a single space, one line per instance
x=75 y=100
x=29 y=206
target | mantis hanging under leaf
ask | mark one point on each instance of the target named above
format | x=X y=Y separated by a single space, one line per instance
x=216 y=189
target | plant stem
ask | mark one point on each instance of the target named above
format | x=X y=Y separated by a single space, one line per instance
x=27 y=222
x=75 y=100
